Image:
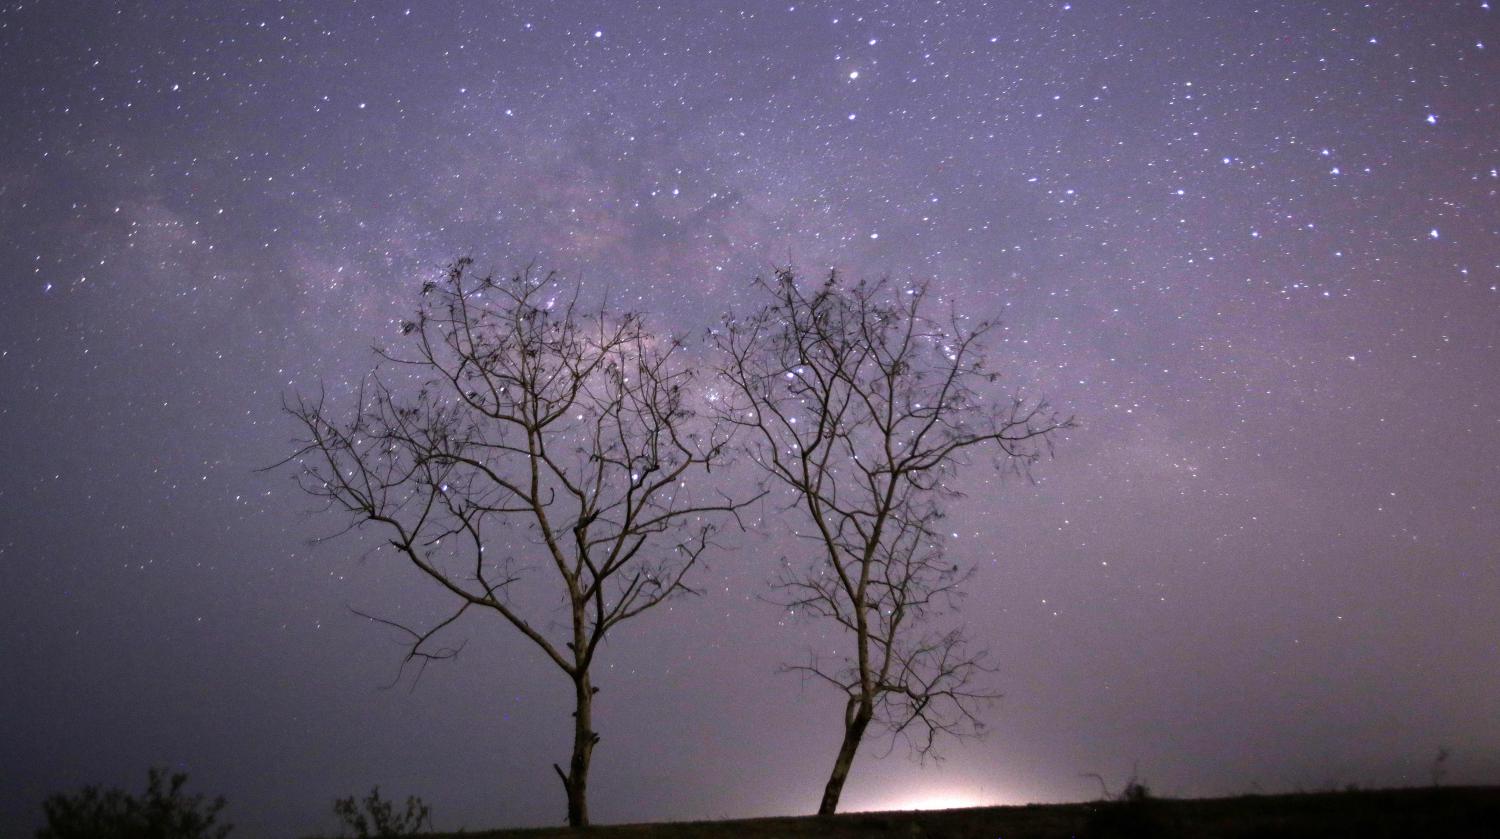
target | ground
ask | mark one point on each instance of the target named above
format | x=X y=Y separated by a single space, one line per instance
x=1432 y=813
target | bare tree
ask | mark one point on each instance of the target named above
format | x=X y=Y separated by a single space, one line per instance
x=863 y=405
x=528 y=421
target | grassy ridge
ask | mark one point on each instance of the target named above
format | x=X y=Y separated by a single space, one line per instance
x=1446 y=813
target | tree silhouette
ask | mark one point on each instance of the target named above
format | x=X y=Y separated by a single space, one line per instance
x=164 y=812
x=568 y=431
x=374 y=817
x=863 y=404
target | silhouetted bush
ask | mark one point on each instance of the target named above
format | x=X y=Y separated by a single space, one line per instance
x=1133 y=814
x=163 y=813
x=375 y=817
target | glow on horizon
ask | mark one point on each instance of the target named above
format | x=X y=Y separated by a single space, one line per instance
x=935 y=799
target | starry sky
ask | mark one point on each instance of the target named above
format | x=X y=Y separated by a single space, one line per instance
x=1255 y=248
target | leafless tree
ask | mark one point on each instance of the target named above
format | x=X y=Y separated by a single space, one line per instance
x=862 y=404
x=538 y=449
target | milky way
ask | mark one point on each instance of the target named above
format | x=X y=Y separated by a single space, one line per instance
x=1255 y=248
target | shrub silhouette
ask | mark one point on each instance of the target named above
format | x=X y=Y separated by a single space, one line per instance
x=1133 y=814
x=164 y=812
x=376 y=817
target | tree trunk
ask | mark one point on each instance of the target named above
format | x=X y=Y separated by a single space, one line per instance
x=854 y=732
x=576 y=779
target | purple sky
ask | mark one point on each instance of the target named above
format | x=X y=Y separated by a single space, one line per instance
x=1254 y=247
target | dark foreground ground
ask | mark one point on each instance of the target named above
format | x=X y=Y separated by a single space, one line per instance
x=1448 y=813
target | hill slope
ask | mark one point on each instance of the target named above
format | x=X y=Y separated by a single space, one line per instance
x=1448 y=813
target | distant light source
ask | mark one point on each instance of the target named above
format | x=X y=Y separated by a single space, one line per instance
x=935 y=800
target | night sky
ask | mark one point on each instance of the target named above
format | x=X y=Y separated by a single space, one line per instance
x=1254 y=247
